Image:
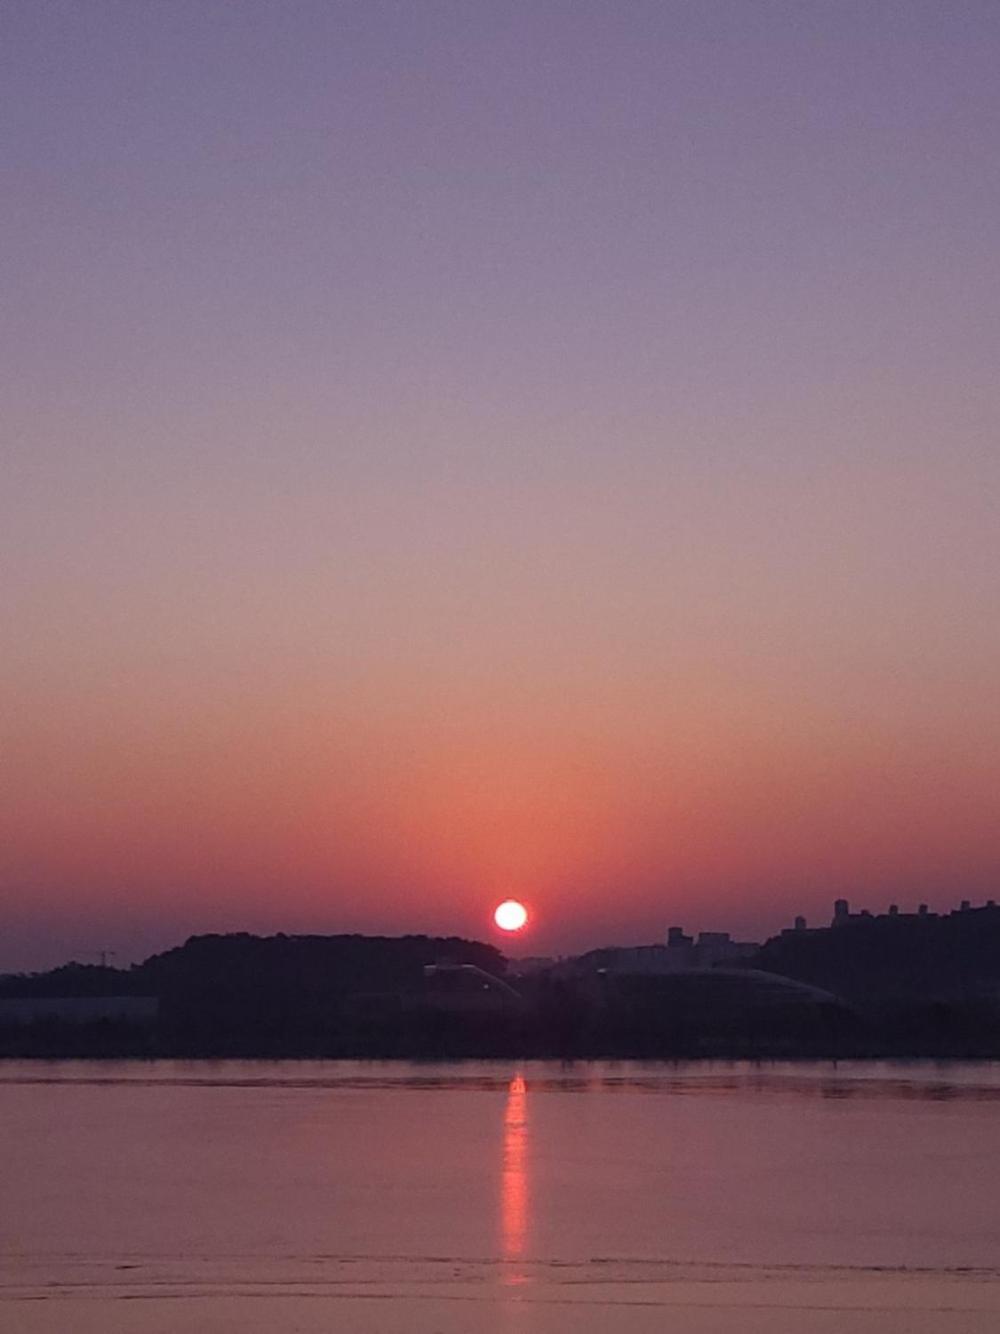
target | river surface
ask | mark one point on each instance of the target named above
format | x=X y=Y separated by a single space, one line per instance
x=390 y=1197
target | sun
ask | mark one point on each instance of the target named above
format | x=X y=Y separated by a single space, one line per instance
x=510 y=915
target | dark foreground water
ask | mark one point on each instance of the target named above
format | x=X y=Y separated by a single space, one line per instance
x=392 y=1198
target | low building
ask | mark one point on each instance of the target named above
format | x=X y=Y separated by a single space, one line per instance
x=682 y=953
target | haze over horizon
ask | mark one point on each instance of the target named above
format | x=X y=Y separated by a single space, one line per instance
x=457 y=451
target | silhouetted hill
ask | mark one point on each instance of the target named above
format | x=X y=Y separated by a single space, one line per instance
x=276 y=994
x=306 y=966
x=895 y=957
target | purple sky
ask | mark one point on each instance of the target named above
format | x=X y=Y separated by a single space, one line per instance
x=464 y=449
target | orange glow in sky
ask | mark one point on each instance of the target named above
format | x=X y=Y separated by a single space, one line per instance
x=587 y=519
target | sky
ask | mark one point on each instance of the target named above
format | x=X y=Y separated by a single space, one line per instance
x=535 y=448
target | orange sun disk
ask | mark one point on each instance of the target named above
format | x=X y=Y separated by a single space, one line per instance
x=510 y=915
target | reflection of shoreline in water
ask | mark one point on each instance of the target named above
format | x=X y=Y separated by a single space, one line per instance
x=514 y=1176
x=919 y=1081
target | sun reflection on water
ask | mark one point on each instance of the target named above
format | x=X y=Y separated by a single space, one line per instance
x=514 y=1177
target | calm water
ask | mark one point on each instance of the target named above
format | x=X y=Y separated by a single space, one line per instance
x=701 y=1199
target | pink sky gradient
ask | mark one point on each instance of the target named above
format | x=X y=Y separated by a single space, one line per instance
x=459 y=451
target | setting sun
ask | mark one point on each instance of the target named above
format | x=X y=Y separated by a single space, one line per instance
x=511 y=915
